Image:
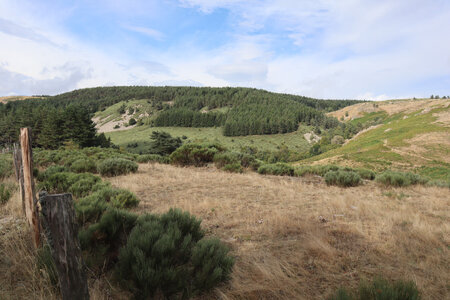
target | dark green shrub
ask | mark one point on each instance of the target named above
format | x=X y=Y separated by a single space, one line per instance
x=225 y=158
x=117 y=166
x=380 y=289
x=163 y=143
x=132 y=122
x=398 y=179
x=342 y=178
x=233 y=168
x=79 y=185
x=6 y=167
x=91 y=208
x=211 y=264
x=6 y=191
x=256 y=164
x=164 y=254
x=248 y=160
x=83 y=165
x=101 y=241
x=152 y=158
x=280 y=169
x=195 y=154
x=50 y=171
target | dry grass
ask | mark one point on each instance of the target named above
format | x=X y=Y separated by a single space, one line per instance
x=275 y=228
x=285 y=251
x=390 y=106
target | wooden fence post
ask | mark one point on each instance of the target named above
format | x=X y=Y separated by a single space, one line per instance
x=60 y=227
x=31 y=210
x=17 y=155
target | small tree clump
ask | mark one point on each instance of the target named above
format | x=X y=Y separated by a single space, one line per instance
x=342 y=178
x=163 y=143
x=166 y=255
x=116 y=166
x=132 y=122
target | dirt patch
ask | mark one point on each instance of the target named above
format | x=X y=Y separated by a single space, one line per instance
x=427 y=146
x=311 y=137
x=109 y=126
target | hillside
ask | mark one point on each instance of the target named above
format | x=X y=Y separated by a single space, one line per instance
x=411 y=135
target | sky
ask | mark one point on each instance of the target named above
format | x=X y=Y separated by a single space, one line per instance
x=334 y=49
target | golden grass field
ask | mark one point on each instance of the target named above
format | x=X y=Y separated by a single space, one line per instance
x=293 y=238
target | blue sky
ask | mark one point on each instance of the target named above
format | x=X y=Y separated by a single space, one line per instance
x=362 y=49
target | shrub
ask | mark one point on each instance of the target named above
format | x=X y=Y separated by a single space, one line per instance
x=225 y=158
x=400 y=179
x=380 y=289
x=132 y=122
x=50 y=171
x=163 y=143
x=91 y=208
x=152 y=158
x=79 y=185
x=234 y=168
x=116 y=166
x=195 y=154
x=280 y=169
x=6 y=191
x=6 y=168
x=366 y=174
x=165 y=254
x=439 y=183
x=83 y=165
x=101 y=241
x=342 y=178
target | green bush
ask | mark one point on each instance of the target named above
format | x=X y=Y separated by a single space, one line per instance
x=342 y=178
x=233 y=168
x=50 y=171
x=165 y=254
x=101 y=241
x=366 y=174
x=6 y=191
x=91 y=208
x=152 y=158
x=398 y=179
x=195 y=154
x=117 y=166
x=380 y=289
x=225 y=158
x=280 y=169
x=439 y=183
x=83 y=165
x=79 y=185
x=6 y=167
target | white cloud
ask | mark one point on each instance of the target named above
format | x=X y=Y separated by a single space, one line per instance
x=155 y=34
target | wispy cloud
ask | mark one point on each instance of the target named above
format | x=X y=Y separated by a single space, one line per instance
x=155 y=34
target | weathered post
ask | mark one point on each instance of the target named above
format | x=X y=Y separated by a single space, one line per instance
x=31 y=210
x=17 y=155
x=60 y=227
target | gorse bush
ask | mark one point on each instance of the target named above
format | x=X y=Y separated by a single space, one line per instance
x=195 y=154
x=91 y=208
x=116 y=166
x=103 y=240
x=166 y=254
x=79 y=185
x=342 y=178
x=276 y=169
x=152 y=158
x=225 y=158
x=398 y=179
x=83 y=165
x=380 y=289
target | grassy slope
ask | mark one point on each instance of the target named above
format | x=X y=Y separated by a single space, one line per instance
x=390 y=145
x=141 y=135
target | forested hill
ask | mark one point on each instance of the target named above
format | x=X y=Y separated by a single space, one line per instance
x=240 y=111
